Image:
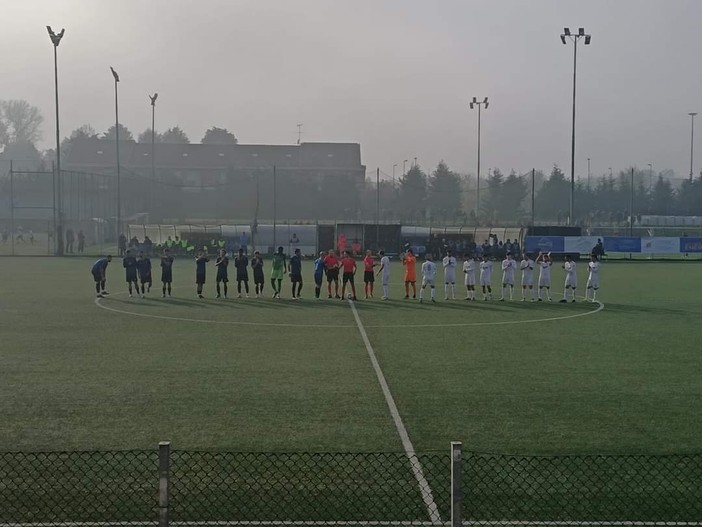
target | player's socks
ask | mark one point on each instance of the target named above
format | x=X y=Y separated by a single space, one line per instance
x=293 y=291
x=299 y=289
x=453 y=291
x=445 y=291
x=511 y=293
x=317 y=291
x=280 y=285
x=386 y=291
x=433 y=294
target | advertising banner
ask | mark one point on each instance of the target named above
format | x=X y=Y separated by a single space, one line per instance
x=660 y=245
x=691 y=245
x=544 y=243
x=580 y=244
x=622 y=244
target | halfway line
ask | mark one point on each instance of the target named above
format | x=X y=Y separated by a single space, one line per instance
x=424 y=487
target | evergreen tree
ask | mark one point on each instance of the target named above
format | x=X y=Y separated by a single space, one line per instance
x=412 y=194
x=124 y=133
x=444 y=193
x=175 y=136
x=552 y=201
x=662 y=198
x=219 y=136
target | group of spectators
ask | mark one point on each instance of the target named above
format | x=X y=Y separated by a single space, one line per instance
x=492 y=247
x=71 y=238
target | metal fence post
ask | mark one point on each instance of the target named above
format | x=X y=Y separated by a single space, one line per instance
x=456 y=483
x=164 y=459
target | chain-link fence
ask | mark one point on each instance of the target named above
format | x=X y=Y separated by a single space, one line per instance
x=427 y=488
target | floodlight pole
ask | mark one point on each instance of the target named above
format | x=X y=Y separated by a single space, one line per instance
x=479 y=104
x=692 y=140
x=574 y=38
x=650 y=176
x=377 y=209
x=404 y=168
x=588 y=173
x=274 y=206
x=56 y=40
x=119 y=188
x=153 y=134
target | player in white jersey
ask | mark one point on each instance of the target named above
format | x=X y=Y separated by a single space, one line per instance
x=449 y=275
x=571 y=278
x=544 y=262
x=385 y=271
x=527 y=267
x=428 y=278
x=469 y=265
x=593 y=279
x=486 y=277
x=509 y=266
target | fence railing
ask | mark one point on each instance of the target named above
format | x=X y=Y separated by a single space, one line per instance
x=149 y=487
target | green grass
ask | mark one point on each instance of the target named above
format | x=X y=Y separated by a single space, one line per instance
x=79 y=377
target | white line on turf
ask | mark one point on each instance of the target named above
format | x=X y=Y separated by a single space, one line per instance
x=600 y=307
x=424 y=487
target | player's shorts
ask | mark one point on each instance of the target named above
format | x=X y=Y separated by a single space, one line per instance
x=318 y=279
x=131 y=277
x=593 y=283
x=222 y=277
x=571 y=282
x=296 y=277
x=428 y=282
x=348 y=277
x=277 y=274
x=243 y=277
x=508 y=279
x=332 y=275
x=528 y=280
x=368 y=277
x=470 y=279
x=146 y=279
x=450 y=277
x=167 y=276
x=410 y=278
x=199 y=278
x=486 y=280
x=544 y=281
x=259 y=278
x=97 y=277
x=386 y=279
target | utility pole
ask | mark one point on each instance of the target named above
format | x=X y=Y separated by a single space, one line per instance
x=299 y=132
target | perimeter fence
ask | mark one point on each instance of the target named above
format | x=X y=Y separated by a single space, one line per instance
x=149 y=487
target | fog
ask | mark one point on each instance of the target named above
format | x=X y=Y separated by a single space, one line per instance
x=394 y=75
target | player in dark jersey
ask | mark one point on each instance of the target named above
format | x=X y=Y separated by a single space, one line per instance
x=318 y=274
x=166 y=272
x=99 y=272
x=222 y=263
x=144 y=268
x=241 y=262
x=200 y=270
x=130 y=266
x=296 y=274
x=258 y=276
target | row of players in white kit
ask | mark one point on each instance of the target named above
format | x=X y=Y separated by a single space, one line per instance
x=509 y=268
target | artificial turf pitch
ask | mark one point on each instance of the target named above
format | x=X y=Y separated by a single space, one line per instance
x=277 y=375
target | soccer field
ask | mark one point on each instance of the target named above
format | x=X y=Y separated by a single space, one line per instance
x=277 y=375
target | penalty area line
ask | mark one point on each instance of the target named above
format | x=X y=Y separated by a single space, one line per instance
x=416 y=466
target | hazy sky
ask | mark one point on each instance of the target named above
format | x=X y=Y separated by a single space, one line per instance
x=393 y=75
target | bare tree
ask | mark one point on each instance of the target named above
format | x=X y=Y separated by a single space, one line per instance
x=21 y=122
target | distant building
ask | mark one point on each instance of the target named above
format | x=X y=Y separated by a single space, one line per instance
x=314 y=180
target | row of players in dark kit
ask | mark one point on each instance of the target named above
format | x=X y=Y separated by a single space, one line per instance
x=139 y=278
x=138 y=271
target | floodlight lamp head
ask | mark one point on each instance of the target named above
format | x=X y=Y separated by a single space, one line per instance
x=114 y=74
x=563 y=39
x=587 y=40
x=471 y=105
x=153 y=99
x=485 y=101
x=566 y=30
x=55 y=38
x=581 y=31
x=475 y=100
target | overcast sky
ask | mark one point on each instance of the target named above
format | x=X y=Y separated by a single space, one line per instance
x=393 y=75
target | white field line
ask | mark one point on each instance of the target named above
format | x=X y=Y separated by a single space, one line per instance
x=361 y=523
x=600 y=307
x=424 y=487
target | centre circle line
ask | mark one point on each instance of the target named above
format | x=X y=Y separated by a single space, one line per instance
x=600 y=307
